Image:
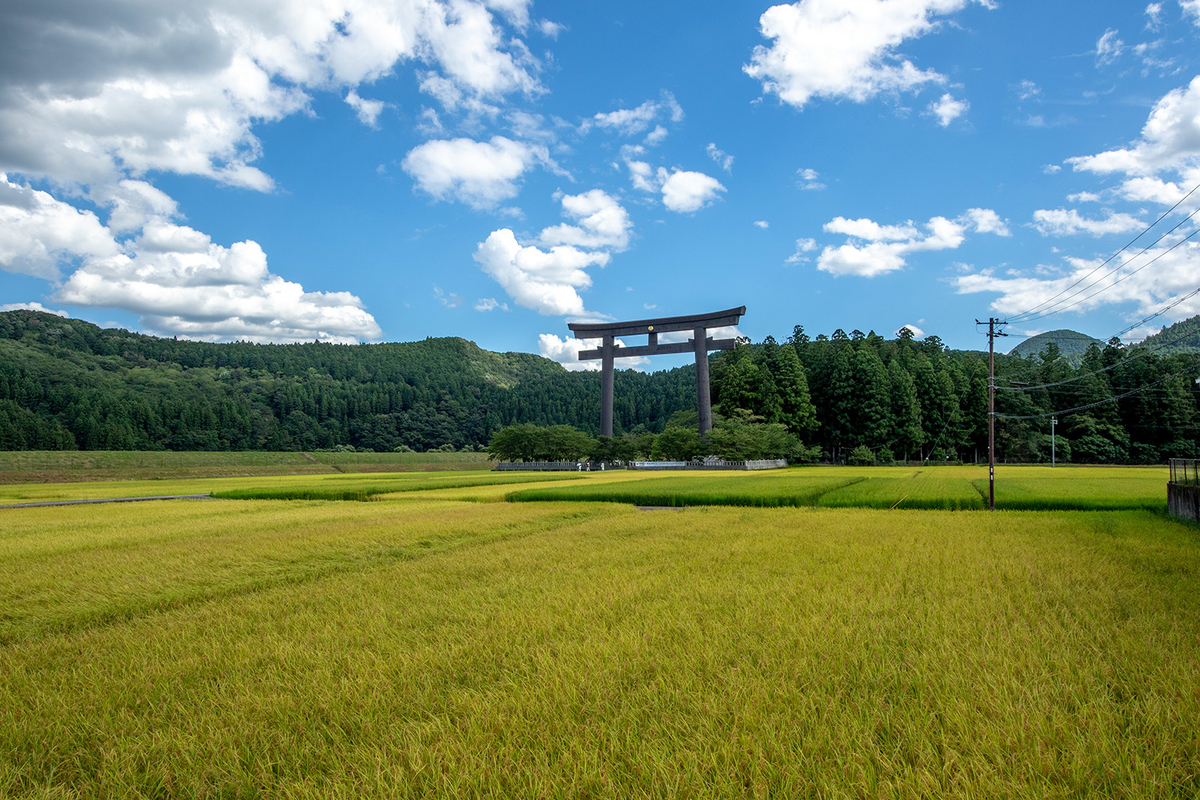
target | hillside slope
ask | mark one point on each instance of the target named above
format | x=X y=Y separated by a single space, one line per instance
x=66 y=383
x=1182 y=337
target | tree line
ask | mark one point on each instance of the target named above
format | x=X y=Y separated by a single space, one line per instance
x=859 y=396
x=67 y=384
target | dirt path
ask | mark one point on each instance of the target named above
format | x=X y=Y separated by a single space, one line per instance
x=109 y=500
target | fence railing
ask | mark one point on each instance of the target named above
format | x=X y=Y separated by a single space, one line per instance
x=584 y=466
x=1185 y=471
x=543 y=466
x=709 y=464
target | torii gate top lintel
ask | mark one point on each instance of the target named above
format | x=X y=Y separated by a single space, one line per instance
x=700 y=343
x=716 y=319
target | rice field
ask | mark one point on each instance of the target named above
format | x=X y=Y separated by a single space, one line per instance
x=413 y=647
x=816 y=632
x=944 y=488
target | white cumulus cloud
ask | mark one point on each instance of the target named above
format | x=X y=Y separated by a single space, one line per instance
x=1067 y=222
x=602 y=222
x=368 y=111
x=172 y=276
x=178 y=87
x=39 y=235
x=178 y=281
x=546 y=281
x=1169 y=146
x=34 y=306
x=876 y=249
x=809 y=180
x=947 y=109
x=565 y=351
x=546 y=275
x=684 y=191
x=480 y=174
x=844 y=48
x=1081 y=285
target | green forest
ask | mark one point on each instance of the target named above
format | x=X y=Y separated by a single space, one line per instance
x=67 y=384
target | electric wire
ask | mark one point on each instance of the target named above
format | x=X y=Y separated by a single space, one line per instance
x=1112 y=399
x=1131 y=273
x=1142 y=352
x=1024 y=314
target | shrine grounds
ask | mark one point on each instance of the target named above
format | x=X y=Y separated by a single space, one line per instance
x=817 y=632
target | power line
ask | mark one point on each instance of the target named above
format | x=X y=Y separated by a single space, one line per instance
x=1158 y=313
x=1021 y=316
x=1112 y=399
x=1142 y=353
x=1130 y=274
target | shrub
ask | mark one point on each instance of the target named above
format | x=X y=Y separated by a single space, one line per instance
x=861 y=456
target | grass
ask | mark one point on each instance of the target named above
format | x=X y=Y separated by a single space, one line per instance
x=417 y=648
x=102 y=465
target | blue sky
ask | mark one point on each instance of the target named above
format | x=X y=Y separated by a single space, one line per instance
x=359 y=171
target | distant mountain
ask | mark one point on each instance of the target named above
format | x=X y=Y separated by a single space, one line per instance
x=1182 y=337
x=1072 y=344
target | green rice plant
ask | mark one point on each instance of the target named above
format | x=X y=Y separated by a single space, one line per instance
x=414 y=649
x=923 y=489
x=369 y=490
x=722 y=489
x=1078 y=488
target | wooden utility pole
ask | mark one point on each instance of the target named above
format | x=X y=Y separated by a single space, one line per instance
x=992 y=334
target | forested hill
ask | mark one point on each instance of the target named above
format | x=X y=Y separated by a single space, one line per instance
x=1182 y=337
x=65 y=383
x=1071 y=344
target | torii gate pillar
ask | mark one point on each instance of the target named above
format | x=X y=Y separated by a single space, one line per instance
x=700 y=344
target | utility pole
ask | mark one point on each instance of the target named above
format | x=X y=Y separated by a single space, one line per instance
x=992 y=334
x=1053 y=422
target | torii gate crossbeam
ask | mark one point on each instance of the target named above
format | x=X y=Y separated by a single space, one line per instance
x=700 y=344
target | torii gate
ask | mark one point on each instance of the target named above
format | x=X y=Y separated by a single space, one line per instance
x=700 y=343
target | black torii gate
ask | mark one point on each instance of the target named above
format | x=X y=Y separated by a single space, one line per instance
x=700 y=343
